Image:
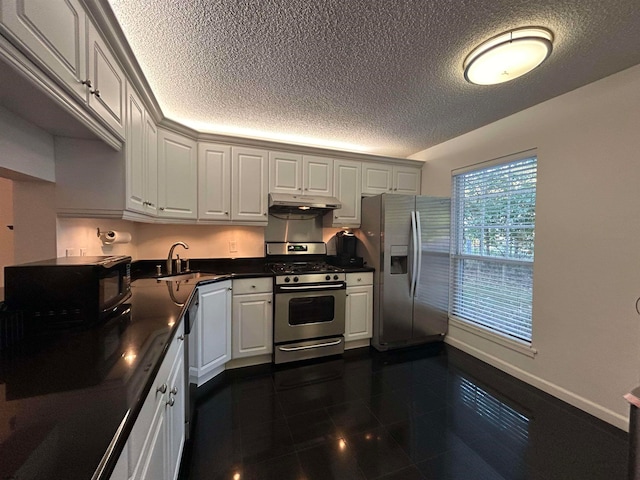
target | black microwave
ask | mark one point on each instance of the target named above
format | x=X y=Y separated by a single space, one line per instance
x=68 y=290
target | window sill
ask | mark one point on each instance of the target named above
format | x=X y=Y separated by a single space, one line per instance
x=512 y=344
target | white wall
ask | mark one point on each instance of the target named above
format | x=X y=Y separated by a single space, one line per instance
x=81 y=233
x=6 y=219
x=204 y=241
x=34 y=221
x=24 y=149
x=587 y=254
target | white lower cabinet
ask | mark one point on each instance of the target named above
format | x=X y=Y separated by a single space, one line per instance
x=359 y=306
x=210 y=337
x=252 y=317
x=157 y=439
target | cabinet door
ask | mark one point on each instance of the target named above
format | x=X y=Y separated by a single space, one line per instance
x=346 y=187
x=54 y=33
x=154 y=464
x=285 y=172
x=107 y=95
x=359 y=314
x=177 y=176
x=406 y=180
x=249 y=184
x=317 y=176
x=376 y=178
x=175 y=411
x=136 y=174
x=151 y=165
x=214 y=182
x=252 y=325
x=213 y=329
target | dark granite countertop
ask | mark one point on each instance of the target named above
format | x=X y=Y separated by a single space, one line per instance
x=65 y=399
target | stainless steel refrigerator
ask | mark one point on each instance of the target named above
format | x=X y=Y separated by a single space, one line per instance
x=406 y=239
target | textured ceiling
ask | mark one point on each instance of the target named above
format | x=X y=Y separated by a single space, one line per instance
x=378 y=76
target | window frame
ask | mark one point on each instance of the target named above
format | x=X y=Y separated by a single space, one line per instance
x=476 y=326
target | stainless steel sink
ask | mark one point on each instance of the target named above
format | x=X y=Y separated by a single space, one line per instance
x=179 y=277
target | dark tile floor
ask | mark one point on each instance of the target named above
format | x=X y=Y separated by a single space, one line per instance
x=428 y=413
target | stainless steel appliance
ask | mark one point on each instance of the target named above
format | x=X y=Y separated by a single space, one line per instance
x=309 y=306
x=68 y=291
x=406 y=239
x=291 y=203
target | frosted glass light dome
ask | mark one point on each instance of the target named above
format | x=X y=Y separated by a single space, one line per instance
x=508 y=56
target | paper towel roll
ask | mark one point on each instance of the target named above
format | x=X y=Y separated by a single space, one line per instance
x=113 y=236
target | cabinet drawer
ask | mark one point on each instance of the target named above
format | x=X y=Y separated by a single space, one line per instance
x=252 y=285
x=359 y=278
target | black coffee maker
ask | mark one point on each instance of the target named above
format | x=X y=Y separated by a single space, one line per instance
x=346 y=244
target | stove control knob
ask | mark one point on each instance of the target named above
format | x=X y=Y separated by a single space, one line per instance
x=287 y=279
x=328 y=277
x=335 y=277
x=295 y=279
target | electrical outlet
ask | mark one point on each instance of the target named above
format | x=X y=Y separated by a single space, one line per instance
x=83 y=252
x=233 y=246
x=71 y=252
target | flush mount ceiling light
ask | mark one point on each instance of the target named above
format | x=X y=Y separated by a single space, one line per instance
x=508 y=55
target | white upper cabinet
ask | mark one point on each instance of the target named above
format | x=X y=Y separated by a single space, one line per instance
x=249 y=185
x=317 y=176
x=346 y=187
x=54 y=33
x=406 y=180
x=177 y=176
x=376 y=178
x=381 y=178
x=60 y=37
x=107 y=92
x=300 y=174
x=142 y=157
x=285 y=172
x=214 y=182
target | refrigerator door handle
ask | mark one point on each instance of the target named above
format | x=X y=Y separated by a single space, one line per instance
x=419 y=251
x=414 y=254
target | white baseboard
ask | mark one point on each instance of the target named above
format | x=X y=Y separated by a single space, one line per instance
x=557 y=391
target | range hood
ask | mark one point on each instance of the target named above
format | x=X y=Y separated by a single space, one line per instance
x=292 y=203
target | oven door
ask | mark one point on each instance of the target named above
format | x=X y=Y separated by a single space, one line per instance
x=309 y=311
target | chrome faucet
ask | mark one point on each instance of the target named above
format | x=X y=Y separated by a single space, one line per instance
x=170 y=257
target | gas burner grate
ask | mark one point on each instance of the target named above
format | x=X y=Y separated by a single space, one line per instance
x=302 y=267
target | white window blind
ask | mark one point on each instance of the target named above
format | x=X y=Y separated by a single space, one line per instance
x=493 y=239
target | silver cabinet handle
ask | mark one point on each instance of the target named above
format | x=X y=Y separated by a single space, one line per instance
x=309 y=287
x=171 y=402
x=308 y=347
x=162 y=388
x=86 y=82
x=181 y=337
x=95 y=92
x=174 y=391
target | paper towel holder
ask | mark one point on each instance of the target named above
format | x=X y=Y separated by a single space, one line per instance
x=110 y=237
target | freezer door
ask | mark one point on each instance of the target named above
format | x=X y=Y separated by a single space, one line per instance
x=396 y=322
x=431 y=299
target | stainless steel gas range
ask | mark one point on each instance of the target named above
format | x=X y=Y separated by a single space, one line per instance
x=310 y=297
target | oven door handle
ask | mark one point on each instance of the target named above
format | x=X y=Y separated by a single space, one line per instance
x=308 y=287
x=309 y=347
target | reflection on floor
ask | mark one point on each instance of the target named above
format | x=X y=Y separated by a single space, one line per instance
x=430 y=413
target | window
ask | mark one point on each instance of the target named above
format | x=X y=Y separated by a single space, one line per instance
x=492 y=243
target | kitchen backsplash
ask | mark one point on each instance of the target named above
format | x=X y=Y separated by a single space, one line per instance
x=152 y=241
